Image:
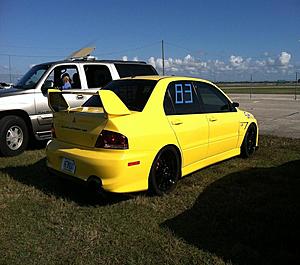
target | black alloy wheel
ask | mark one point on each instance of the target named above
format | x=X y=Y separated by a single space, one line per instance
x=165 y=172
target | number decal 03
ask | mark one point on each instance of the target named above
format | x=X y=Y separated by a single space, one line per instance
x=178 y=94
x=183 y=95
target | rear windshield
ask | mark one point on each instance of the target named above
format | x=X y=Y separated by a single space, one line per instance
x=127 y=70
x=133 y=93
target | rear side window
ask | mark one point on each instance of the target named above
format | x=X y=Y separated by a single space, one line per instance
x=133 y=93
x=97 y=75
x=127 y=70
x=183 y=99
x=213 y=101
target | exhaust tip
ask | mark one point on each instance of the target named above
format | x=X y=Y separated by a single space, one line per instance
x=94 y=184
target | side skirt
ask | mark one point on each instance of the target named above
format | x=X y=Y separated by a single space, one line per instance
x=210 y=160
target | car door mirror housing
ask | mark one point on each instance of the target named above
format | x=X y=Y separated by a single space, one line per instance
x=235 y=104
x=48 y=84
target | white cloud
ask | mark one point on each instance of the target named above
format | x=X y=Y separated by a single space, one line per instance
x=4 y=67
x=236 y=67
x=125 y=58
x=236 y=60
x=189 y=58
x=151 y=61
x=284 y=58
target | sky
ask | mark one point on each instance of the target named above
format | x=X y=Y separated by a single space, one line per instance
x=217 y=40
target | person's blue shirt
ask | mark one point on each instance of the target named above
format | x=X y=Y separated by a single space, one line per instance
x=66 y=85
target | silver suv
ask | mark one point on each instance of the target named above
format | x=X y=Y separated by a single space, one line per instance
x=24 y=111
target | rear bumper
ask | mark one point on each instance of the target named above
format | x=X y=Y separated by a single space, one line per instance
x=111 y=166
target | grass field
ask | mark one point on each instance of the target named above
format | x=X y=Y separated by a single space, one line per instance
x=260 y=89
x=236 y=212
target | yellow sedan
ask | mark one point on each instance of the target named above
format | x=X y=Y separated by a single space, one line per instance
x=145 y=133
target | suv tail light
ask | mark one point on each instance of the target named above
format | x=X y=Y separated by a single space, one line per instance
x=111 y=140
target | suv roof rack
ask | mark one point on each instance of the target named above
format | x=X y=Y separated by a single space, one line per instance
x=120 y=61
x=81 y=53
x=84 y=54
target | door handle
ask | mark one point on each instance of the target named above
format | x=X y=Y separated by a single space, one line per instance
x=212 y=119
x=176 y=122
x=79 y=96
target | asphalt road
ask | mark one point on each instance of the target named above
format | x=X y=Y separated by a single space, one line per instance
x=276 y=114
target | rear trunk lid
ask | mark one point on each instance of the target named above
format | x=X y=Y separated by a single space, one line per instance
x=82 y=125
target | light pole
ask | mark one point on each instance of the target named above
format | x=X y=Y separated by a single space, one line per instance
x=163 y=57
x=9 y=67
x=296 y=84
x=251 y=86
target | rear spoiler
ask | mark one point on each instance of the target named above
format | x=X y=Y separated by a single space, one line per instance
x=112 y=104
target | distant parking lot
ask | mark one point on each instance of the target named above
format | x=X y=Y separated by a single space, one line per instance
x=276 y=114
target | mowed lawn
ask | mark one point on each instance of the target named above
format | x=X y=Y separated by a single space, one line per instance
x=241 y=211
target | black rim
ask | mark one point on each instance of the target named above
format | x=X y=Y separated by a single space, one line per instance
x=165 y=172
x=251 y=140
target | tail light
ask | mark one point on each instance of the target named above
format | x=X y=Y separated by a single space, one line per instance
x=53 y=134
x=111 y=140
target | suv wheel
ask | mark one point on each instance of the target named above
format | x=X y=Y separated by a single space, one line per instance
x=13 y=135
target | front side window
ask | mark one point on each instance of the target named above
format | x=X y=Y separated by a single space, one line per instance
x=181 y=97
x=64 y=77
x=97 y=76
x=134 y=93
x=212 y=100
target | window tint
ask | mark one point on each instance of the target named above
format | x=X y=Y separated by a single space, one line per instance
x=211 y=98
x=133 y=93
x=126 y=69
x=183 y=97
x=97 y=75
x=168 y=105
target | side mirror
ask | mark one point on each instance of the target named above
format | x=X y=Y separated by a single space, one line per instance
x=48 y=84
x=235 y=104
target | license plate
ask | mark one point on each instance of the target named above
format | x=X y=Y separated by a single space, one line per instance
x=68 y=165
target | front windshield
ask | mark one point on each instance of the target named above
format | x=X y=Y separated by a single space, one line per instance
x=32 y=77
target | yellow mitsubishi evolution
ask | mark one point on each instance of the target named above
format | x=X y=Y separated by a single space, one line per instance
x=145 y=133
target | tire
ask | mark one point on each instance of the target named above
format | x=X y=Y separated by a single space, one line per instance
x=249 y=142
x=165 y=172
x=13 y=135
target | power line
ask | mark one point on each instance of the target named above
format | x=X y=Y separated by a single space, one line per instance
x=129 y=50
x=33 y=56
x=98 y=54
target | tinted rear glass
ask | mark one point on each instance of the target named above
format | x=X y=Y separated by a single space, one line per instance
x=133 y=93
x=126 y=70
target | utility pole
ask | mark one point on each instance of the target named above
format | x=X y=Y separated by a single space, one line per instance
x=296 y=84
x=9 y=68
x=251 y=86
x=163 y=57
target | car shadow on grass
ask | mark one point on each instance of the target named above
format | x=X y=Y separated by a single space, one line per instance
x=247 y=217
x=37 y=175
